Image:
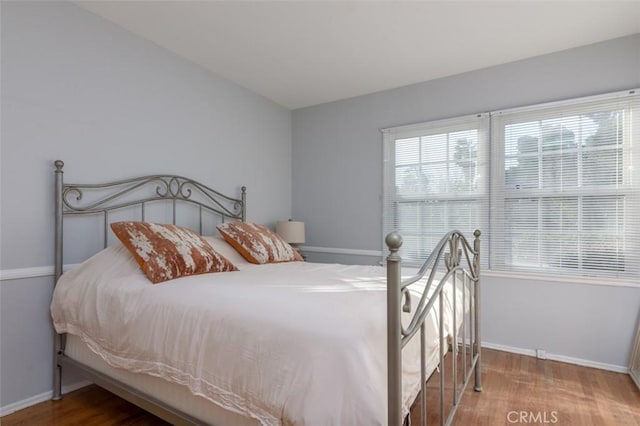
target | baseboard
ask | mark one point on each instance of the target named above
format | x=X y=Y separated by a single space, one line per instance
x=560 y=358
x=36 y=399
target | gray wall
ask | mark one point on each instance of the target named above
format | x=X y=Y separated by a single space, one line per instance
x=337 y=184
x=77 y=88
x=111 y=105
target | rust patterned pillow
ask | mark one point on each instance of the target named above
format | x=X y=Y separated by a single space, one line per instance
x=165 y=252
x=257 y=244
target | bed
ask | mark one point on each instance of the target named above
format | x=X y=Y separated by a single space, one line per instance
x=267 y=344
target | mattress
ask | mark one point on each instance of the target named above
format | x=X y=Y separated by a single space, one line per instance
x=271 y=344
x=171 y=394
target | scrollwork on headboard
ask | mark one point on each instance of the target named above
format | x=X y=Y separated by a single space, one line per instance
x=168 y=187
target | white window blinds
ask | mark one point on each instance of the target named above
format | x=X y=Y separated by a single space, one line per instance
x=566 y=188
x=435 y=180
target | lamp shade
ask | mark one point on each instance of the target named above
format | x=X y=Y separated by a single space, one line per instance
x=291 y=231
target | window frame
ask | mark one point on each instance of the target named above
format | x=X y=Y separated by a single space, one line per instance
x=481 y=123
x=626 y=190
x=492 y=198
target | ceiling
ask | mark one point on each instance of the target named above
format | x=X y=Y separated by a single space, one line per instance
x=301 y=53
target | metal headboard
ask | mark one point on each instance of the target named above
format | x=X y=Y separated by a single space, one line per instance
x=69 y=200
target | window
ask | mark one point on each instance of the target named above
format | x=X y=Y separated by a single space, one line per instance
x=435 y=181
x=560 y=193
x=565 y=198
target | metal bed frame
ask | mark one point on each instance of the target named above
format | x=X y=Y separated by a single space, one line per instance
x=174 y=189
x=448 y=253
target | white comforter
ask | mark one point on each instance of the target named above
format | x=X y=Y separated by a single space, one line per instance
x=295 y=343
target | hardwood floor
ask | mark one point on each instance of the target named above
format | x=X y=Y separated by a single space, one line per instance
x=89 y=406
x=517 y=390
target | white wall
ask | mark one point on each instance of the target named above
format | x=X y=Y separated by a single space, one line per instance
x=111 y=105
x=337 y=184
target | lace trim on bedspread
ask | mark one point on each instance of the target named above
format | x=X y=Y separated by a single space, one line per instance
x=197 y=386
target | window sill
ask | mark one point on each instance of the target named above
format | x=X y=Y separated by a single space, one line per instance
x=599 y=281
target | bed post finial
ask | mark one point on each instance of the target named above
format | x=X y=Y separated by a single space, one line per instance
x=394 y=328
x=59 y=165
x=394 y=242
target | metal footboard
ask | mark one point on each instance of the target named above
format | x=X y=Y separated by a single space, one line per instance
x=460 y=262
